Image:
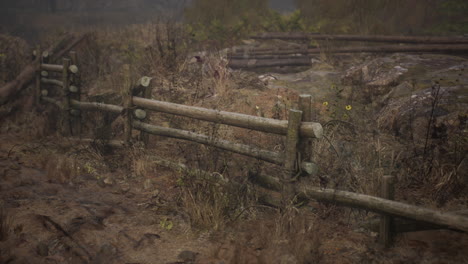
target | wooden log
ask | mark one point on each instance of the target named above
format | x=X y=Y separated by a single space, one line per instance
x=255 y=56
x=268 y=125
x=402 y=225
x=252 y=64
x=38 y=88
x=381 y=205
x=265 y=181
x=305 y=144
x=93 y=106
x=290 y=154
x=66 y=119
x=52 y=67
x=52 y=81
x=75 y=93
x=366 y=38
x=69 y=45
x=245 y=150
x=145 y=82
x=127 y=102
x=54 y=101
x=386 y=221
x=11 y=89
x=460 y=48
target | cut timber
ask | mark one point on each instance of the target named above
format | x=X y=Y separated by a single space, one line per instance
x=254 y=63
x=380 y=205
x=52 y=67
x=92 y=106
x=292 y=55
x=11 y=89
x=269 y=125
x=459 y=48
x=261 y=154
x=290 y=155
x=402 y=225
x=387 y=191
x=368 y=38
x=52 y=81
x=52 y=101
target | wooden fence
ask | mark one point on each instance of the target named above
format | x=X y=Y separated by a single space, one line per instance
x=299 y=131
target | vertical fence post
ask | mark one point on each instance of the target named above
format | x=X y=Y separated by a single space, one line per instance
x=38 y=92
x=387 y=191
x=145 y=84
x=75 y=93
x=127 y=103
x=305 y=145
x=66 y=131
x=292 y=140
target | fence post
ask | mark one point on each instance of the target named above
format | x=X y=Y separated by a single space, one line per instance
x=143 y=114
x=290 y=168
x=75 y=93
x=127 y=103
x=305 y=145
x=38 y=91
x=66 y=130
x=387 y=191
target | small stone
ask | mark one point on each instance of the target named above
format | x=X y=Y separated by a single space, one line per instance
x=42 y=249
x=148 y=184
x=15 y=167
x=101 y=183
x=187 y=256
x=125 y=188
x=108 y=181
x=155 y=193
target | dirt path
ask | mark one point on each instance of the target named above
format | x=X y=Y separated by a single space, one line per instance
x=82 y=222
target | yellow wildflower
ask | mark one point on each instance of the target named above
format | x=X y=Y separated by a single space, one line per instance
x=325 y=103
x=348 y=107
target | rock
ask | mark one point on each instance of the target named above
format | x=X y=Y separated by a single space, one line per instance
x=148 y=184
x=42 y=249
x=108 y=181
x=187 y=256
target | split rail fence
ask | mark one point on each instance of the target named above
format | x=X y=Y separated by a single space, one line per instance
x=298 y=129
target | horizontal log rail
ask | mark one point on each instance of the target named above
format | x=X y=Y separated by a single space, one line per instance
x=246 y=150
x=364 y=38
x=52 y=81
x=381 y=205
x=268 y=125
x=459 y=48
x=54 y=101
x=254 y=63
x=93 y=106
x=51 y=67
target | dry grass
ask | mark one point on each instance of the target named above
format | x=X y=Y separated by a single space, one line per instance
x=61 y=169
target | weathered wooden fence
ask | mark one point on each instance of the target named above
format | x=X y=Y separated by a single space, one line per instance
x=298 y=129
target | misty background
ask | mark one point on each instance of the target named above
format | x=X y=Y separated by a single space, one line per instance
x=227 y=19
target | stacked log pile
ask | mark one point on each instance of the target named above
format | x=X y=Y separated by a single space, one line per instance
x=258 y=58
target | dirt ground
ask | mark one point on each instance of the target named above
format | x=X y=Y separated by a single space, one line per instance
x=64 y=217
